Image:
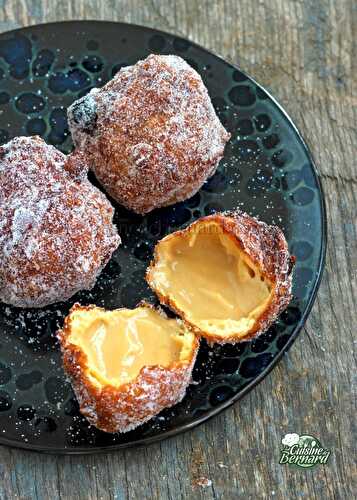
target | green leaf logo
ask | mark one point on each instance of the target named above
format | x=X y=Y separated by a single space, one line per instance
x=303 y=451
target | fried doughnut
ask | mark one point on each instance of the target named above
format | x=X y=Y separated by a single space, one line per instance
x=151 y=134
x=227 y=275
x=126 y=365
x=56 y=231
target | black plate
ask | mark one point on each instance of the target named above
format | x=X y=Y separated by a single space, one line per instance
x=267 y=170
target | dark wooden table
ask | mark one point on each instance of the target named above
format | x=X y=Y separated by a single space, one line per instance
x=305 y=52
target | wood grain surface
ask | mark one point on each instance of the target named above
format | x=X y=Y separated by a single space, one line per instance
x=305 y=52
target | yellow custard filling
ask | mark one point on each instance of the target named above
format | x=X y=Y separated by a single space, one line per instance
x=119 y=343
x=206 y=275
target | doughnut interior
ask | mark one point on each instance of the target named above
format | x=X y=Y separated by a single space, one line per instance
x=207 y=277
x=119 y=343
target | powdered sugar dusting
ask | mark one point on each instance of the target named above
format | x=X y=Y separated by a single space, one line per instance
x=153 y=137
x=56 y=232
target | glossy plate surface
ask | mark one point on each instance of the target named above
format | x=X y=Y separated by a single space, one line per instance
x=267 y=170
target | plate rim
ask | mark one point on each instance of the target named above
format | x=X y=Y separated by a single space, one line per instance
x=318 y=274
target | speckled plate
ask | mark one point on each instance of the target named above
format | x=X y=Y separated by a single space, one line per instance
x=267 y=170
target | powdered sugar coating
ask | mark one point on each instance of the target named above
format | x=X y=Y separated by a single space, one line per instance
x=151 y=134
x=123 y=408
x=56 y=231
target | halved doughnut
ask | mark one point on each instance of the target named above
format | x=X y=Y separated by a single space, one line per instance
x=227 y=275
x=126 y=365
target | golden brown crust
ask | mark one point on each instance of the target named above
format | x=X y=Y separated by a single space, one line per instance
x=121 y=409
x=150 y=134
x=56 y=231
x=266 y=246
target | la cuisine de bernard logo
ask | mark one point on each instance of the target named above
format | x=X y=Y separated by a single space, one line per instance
x=303 y=451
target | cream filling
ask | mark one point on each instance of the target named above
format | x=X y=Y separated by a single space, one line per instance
x=119 y=343
x=208 y=277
